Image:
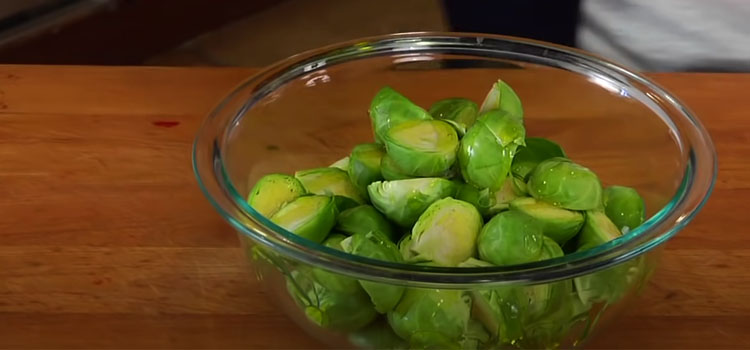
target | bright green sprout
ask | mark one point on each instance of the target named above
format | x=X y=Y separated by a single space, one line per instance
x=272 y=192
x=446 y=233
x=311 y=217
x=422 y=147
x=403 y=201
x=624 y=206
x=461 y=113
x=565 y=184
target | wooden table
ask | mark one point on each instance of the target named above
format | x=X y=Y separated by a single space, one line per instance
x=106 y=241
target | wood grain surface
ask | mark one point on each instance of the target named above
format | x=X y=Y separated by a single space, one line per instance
x=107 y=242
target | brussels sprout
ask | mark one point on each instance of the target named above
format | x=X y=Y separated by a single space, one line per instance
x=597 y=229
x=565 y=184
x=376 y=246
x=431 y=317
x=624 y=206
x=326 y=307
x=272 y=192
x=446 y=233
x=537 y=149
x=512 y=313
x=311 y=217
x=510 y=238
x=459 y=112
x=502 y=97
x=403 y=201
x=333 y=281
x=377 y=336
x=486 y=151
x=389 y=108
x=499 y=310
x=422 y=147
x=390 y=170
x=364 y=165
x=342 y=164
x=363 y=219
x=611 y=284
x=557 y=223
x=331 y=182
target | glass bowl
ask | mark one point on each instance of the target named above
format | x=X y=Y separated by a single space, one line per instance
x=309 y=110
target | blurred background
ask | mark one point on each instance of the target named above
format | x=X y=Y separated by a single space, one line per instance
x=651 y=35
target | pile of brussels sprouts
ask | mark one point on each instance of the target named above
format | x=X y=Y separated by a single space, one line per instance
x=456 y=186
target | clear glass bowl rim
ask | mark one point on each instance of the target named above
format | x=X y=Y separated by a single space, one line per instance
x=215 y=184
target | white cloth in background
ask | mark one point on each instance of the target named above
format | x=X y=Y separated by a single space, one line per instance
x=668 y=35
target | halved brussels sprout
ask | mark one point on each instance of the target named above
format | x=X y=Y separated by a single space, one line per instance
x=364 y=165
x=422 y=147
x=272 y=192
x=537 y=149
x=431 y=318
x=403 y=201
x=557 y=223
x=510 y=238
x=597 y=229
x=376 y=246
x=502 y=96
x=499 y=310
x=311 y=217
x=363 y=219
x=624 y=206
x=389 y=108
x=565 y=184
x=326 y=307
x=342 y=164
x=331 y=182
x=459 y=112
x=613 y=283
x=446 y=233
x=486 y=151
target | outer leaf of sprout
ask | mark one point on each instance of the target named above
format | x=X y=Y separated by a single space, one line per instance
x=342 y=164
x=486 y=151
x=501 y=96
x=562 y=183
x=510 y=238
x=557 y=223
x=431 y=317
x=537 y=149
x=624 y=206
x=389 y=108
x=376 y=246
x=272 y=192
x=363 y=219
x=311 y=217
x=329 y=182
x=446 y=232
x=364 y=165
x=390 y=170
x=507 y=130
x=461 y=113
x=422 y=147
x=328 y=308
x=403 y=201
